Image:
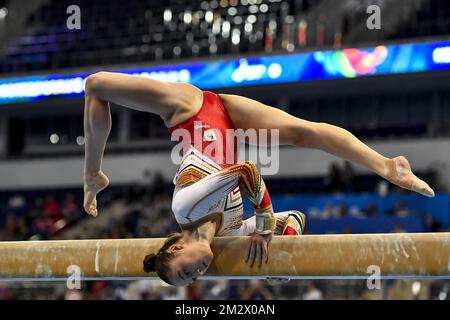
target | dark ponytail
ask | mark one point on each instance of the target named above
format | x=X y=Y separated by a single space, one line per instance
x=159 y=262
x=150 y=263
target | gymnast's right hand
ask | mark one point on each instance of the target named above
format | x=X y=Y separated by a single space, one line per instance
x=258 y=250
x=93 y=184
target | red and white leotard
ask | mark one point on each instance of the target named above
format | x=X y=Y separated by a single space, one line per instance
x=204 y=189
x=208 y=178
x=208 y=131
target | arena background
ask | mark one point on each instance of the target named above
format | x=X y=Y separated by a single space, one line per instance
x=392 y=91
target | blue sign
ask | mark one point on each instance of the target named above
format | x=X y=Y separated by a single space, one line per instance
x=297 y=67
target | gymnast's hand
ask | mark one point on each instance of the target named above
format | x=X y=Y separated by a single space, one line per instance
x=93 y=184
x=258 y=249
x=399 y=172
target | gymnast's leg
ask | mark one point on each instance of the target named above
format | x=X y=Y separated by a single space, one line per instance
x=250 y=114
x=173 y=102
x=198 y=197
x=290 y=223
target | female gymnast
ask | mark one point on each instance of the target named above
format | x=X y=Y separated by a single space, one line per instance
x=207 y=202
x=202 y=197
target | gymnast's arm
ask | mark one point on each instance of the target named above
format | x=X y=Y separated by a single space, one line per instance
x=253 y=187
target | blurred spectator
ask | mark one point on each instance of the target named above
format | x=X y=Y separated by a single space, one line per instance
x=431 y=224
x=312 y=292
x=256 y=290
x=356 y=212
x=342 y=211
x=157 y=186
x=51 y=208
x=97 y=290
x=142 y=290
x=334 y=179
x=383 y=188
x=73 y=295
x=407 y=290
x=439 y=291
x=6 y=293
x=11 y=230
x=215 y=290
x=15 y=228
x=21 y=227
x=173 y=293
x=327 y=212
x=35 y=211
x=42 y=225
x=286 y=290
x=399 y=229
x=314 y=213
x=348 y=176
x=372 y=210
x=121 y=293
x=401 y=210
x=194 y=291
x=17 y=204
x=70 y=209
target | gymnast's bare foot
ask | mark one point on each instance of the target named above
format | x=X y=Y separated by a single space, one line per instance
x=400 y=173
x=93 y=184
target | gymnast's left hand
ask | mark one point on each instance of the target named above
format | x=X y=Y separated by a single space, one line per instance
x=258 y=250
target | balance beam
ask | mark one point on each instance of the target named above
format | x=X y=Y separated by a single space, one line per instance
x=312 y=256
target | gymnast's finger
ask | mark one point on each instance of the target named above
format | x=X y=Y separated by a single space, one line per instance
x=249 y=248
x=265 y=253
x=260 y=253
x=251 y=259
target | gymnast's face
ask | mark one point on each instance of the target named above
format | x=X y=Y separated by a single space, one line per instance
x=191 y=260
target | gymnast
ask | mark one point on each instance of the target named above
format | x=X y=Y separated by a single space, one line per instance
x=207 y=202
x=202 y=198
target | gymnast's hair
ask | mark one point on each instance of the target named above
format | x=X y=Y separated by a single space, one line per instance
x=159 y=262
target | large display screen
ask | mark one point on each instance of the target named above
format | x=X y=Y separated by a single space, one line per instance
x=296 y=67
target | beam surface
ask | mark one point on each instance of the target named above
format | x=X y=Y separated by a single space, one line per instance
x=416 y=255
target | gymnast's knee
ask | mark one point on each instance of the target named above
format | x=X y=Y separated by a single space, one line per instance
x=248 y=173
x=251 y=164
x=92 y=83
x=95 y=85
x=294 y=224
